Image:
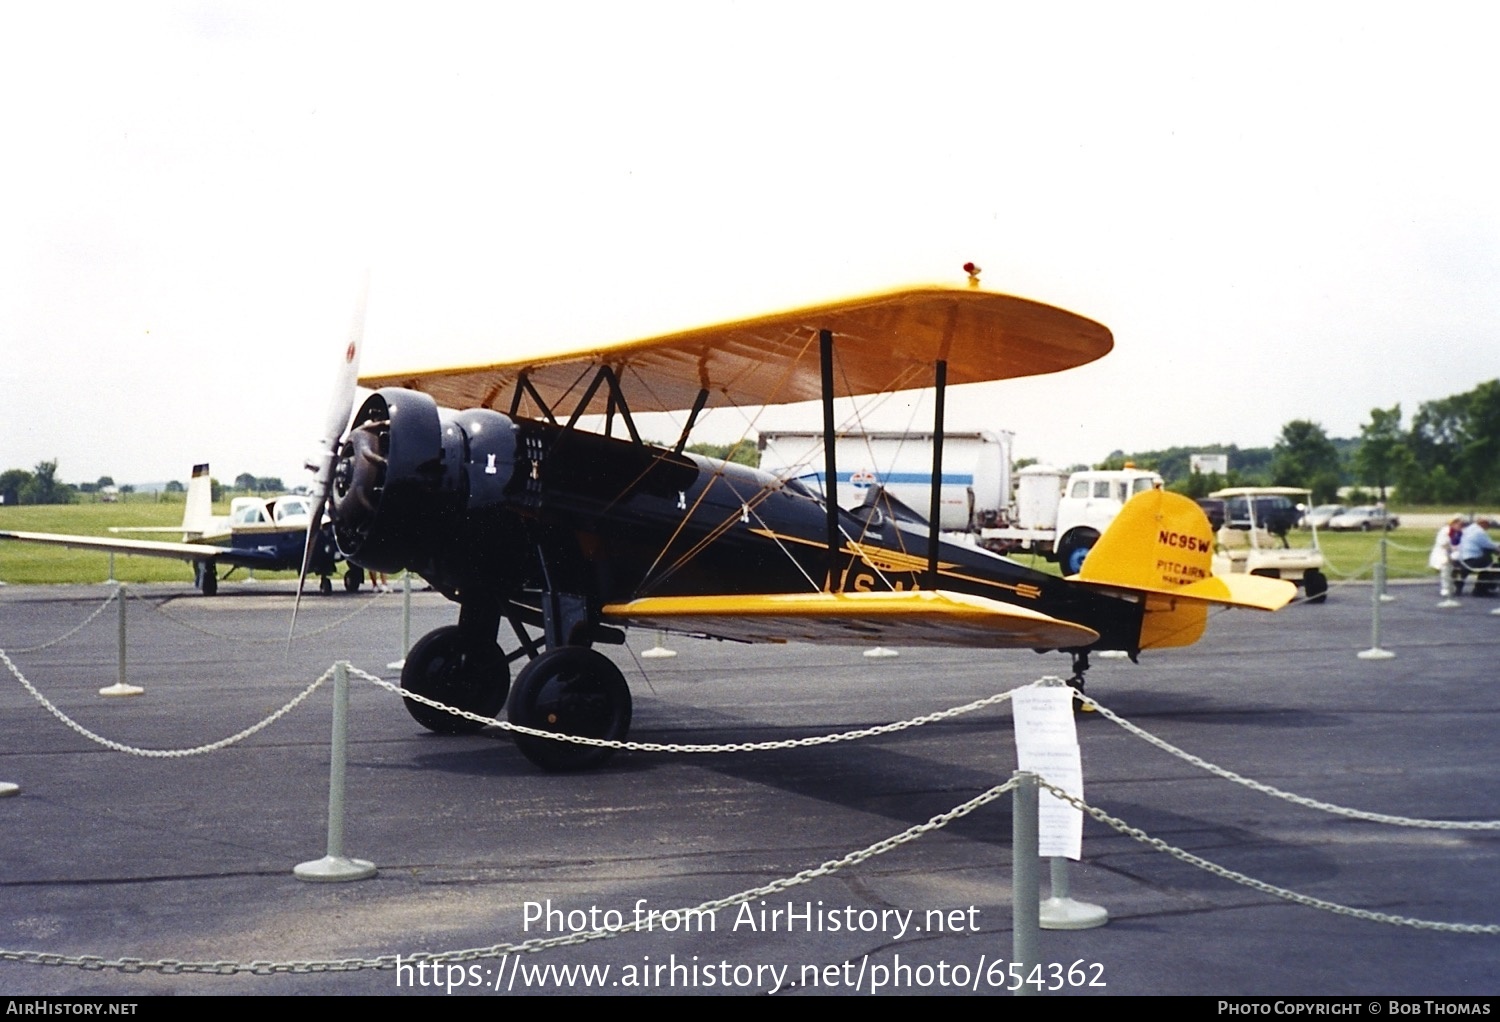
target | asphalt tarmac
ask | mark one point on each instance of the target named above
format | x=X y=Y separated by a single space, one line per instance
x=108 y=854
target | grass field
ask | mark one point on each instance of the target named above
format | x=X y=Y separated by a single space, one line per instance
x=1348 y=554
x=35 y=563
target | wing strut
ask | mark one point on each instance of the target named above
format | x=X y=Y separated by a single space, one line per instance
x=830 y=463
x=934 y=517
x=691 y=420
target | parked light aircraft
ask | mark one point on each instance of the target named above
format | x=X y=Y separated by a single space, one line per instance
x=518 y=515
x=260 y=532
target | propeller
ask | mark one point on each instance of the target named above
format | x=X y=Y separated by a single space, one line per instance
x=340 y=407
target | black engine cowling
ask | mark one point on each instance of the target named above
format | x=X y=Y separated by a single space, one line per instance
x=424 y=488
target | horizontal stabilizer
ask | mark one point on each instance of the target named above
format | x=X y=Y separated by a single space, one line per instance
x=1161 y=543
x=909 y=618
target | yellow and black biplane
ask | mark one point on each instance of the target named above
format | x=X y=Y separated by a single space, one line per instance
x=518 y=515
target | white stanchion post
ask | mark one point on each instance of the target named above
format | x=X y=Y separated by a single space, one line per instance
x=396 y=665
x=1375 y=652
x=121 y=687
x=1061 y=912
x=1384 y=596
x=335 y=865
x=659 y=651
x=1026 y=889
x=111 y=580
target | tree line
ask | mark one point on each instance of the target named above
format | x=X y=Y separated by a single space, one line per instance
x=1449 y=452
x=41 y=486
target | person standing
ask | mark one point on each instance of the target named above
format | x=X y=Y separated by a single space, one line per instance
x=1444 y=552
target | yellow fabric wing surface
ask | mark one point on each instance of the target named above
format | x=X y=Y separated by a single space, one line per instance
x=883 y=342
x=911 y=618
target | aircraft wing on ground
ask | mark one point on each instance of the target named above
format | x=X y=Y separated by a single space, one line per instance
x=242 y=557
x=909 y=618
x=889 y=341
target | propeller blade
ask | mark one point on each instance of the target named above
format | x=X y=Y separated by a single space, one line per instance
x=340 y=408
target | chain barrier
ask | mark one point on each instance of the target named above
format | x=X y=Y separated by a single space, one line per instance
x=386 y=962
x=109 y=743
x=76 y=629
x=1260 y=885
x=365 y=605
x=1287 y=796
x=1357 y=573
x=785 y=743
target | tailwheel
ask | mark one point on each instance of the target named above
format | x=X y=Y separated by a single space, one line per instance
x=457 y=672
x=575 y=691
x=1080 y=668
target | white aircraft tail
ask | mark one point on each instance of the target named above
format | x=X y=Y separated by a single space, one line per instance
x=198 y=513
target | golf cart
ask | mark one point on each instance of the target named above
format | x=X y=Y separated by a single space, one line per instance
x=1256 y=538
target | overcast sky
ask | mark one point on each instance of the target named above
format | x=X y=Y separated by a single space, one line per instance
x=1282 y=210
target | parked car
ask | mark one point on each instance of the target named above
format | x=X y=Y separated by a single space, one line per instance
x=1364 y=519
x=1276 y=513
x=1319 y=516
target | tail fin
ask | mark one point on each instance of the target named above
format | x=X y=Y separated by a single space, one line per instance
x=198 y=513
x=1161 y=545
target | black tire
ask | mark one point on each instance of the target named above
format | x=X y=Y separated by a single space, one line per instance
x=445 y=667
x=325 y=586
x=570 y=690
x=353 y=579
x=1315 y=585
x=1075 y=547
x=206 y=577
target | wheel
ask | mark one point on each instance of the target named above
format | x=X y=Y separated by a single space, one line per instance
x=353 y=579
x=206 y=577
x=446 y=667
x=570 y=690
x=1075 y=547
x=326 y=586
x=1315 y=585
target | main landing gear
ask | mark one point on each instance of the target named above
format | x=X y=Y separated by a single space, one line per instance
x=458 y=672
x=569 y=689
x=575 y=691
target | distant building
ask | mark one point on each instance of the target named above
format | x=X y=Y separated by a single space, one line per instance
x=1209 y=464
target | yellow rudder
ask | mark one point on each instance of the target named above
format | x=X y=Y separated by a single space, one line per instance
x=1161 y=545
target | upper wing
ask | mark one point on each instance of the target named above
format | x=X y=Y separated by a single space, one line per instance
x=884 y=342
x=910 y=618
x=243 y=557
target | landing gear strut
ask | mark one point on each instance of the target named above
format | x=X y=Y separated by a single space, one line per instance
x=206 y=577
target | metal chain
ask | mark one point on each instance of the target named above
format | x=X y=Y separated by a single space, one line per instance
x=75 y=630
x=1260 y=885
x=1359 y=573
x=1287 y=796
x=365 y=605
x=386 y=962
x=108 y=743
x=786 y=743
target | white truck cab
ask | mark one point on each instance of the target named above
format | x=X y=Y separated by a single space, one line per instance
x=1063 y=522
